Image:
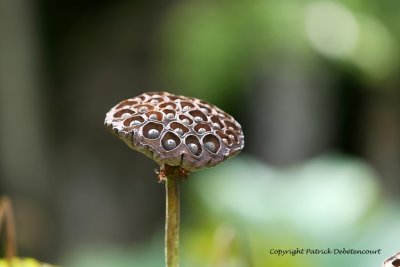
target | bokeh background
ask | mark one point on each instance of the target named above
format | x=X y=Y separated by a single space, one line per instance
x=315 y=85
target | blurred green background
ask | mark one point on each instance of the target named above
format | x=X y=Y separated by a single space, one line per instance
x=313 y=83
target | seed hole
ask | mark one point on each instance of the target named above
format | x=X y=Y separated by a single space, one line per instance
x=198 y=115
x=211 y=143
x=169 y=113
x=170 y=141
x=186 y=106
x=168 y=105
x=134 y=121
x=123 y=113
x=192 y=142
x=144 y=108
x=152 y=130
x=203 y=102
x=232 y=135
x=231 y=126
x=154 y=115
x=202 y=128
x=178 y=128
x=216 y=122
x=185 y=119
x=224 y=137
x=205 y=109
x=155 y=100
x=173 y=98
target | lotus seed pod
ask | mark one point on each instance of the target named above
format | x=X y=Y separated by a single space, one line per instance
x=176 y=130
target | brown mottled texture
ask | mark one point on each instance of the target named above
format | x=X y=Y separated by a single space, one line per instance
x=176 y=130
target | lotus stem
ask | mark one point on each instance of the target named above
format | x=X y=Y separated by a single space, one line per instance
x=172 y=220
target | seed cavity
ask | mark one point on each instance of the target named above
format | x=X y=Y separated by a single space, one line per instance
x=126 y=103
x=123 y=113
x=169 y=144
x=198 y=115
x=134 y=121
x=230 y=125
x=216 y=125
x=143 y=108
x=153 y=133
x=152 y=130
x=168 y=105
x=185 y=119
x=225 y=138
x=211 y=143
x=216 y=122
x=186 y=106
x=178 y=128
x=193 y=143
x=154 y=115
x=211 y=146
x=179 y=131
x=170 y=141
x=232 y=136
x=202 y=128
x=205 y=109
x=169 y=113
x=193 y=148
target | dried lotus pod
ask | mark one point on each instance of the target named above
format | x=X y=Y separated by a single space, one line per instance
x=182 y=134
x=176 y=130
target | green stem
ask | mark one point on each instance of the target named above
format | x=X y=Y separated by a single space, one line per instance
x=6 y=215
x=172 y=221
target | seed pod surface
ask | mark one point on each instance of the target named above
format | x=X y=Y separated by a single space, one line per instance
x=176 y=130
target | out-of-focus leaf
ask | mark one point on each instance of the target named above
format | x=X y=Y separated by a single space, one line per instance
x=322 y=203
x=329 y=190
